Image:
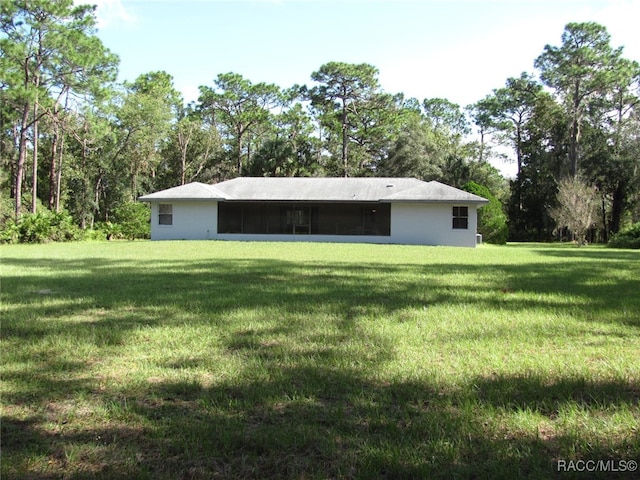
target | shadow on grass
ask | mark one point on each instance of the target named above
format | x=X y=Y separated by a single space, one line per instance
x=212 y=289
x=597 y=253
x=318 y=422
x=303 y=411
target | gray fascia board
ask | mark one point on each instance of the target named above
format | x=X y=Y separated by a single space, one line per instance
x=179 y=199
x=241 y=200
x=444 y=201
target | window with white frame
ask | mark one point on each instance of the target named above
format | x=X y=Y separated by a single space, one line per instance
x=461 y=217
x=165 y=214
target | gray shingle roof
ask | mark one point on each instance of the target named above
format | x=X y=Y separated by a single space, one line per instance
x=319 y=189
x=190 y=191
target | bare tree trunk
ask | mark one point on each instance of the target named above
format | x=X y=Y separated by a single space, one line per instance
x=183 y=142
x=575 y=132
x=134 y=185
x=239 y=159
x=344 y=138
x=96 y=208
x=52 y=167
x=34 y=195
x=22 y=155
x=59 y=175
x=617 y=206
x=605 y=235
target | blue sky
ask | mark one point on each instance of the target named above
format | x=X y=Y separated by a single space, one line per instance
x=456 y=49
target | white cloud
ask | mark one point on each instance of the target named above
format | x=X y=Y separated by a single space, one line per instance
x=466 y=70
x=621 y=20
x=190 y=92
x=112 y=13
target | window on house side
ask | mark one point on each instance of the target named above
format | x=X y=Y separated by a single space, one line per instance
x=165 y=214
x=461 y=217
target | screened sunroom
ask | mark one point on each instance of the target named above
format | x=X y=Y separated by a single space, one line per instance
x=304 y=218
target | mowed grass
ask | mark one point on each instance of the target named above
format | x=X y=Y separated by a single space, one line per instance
x=168 y=360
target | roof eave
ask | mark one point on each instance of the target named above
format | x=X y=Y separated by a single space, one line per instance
x=443 y=201
x=145 y=198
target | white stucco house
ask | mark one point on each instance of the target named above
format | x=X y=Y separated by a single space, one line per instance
x=368 y=210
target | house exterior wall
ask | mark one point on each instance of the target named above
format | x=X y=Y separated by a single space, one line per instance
x=411 y=224
x=431 y=224
x=191 y=221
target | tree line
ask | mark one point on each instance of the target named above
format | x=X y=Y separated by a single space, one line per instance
x=74 y=140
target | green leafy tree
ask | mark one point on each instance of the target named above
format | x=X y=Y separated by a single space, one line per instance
x=598 y=89
x=543 y=163
x=509 y=115
x=492 y=221
x=149 y=107
x=581 y=71
x=344 y=95
x=445 y=115
x=133 y=220
x=415 y=153
x=277 y=158
x=448 y=125
x=430 y=143
x=242 y=111
x=190 y=152
x=376 y=125
x=48 y=49
x=507 y=111
x=292 y=150
x=483 y=173
x=610 y=159
x=91 y=175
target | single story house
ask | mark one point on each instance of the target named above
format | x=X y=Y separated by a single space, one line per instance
x=371 y=210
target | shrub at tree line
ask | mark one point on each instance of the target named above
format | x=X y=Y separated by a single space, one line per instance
x=627 y=238
x=131 y=222
x=492 y=221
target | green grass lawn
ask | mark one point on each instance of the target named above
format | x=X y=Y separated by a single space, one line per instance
x=169 y=360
